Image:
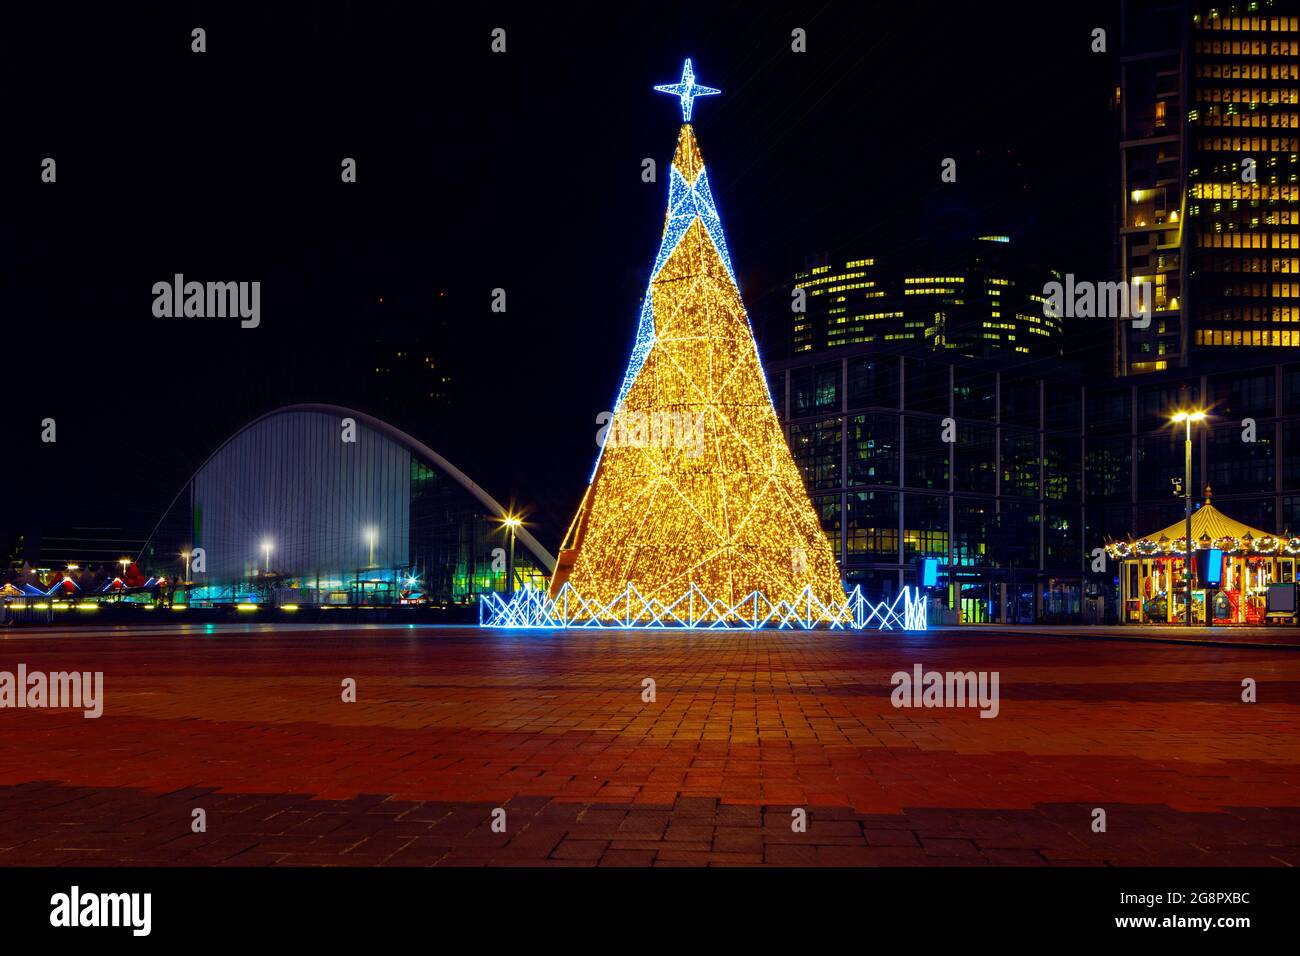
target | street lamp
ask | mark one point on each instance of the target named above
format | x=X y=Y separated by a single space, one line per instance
x=124 y=562
x=266 y=549
x=185 y=566
x=511 y=523
x=372 y=535
x=1187 y=418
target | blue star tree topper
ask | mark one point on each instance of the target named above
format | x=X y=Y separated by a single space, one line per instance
x=687 y=90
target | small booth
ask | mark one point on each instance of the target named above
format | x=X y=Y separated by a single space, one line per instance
x=1237 y=566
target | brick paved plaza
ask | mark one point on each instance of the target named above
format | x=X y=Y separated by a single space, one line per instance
x=248 y=724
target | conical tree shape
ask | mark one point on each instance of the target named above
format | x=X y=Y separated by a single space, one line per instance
x=695 y=484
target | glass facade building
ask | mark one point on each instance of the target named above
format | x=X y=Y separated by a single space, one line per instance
x=317 y=504
x=1011 y=481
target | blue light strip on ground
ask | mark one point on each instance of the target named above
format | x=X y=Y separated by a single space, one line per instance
x=530 y=608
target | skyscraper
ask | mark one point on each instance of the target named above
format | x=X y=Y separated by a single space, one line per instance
x=978 y=297
x=1208 y=102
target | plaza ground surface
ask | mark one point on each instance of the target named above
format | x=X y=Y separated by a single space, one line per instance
x=247 y=723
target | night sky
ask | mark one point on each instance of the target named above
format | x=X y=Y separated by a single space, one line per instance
x=476 y=171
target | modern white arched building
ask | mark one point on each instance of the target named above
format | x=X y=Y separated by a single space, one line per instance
x=319 y=504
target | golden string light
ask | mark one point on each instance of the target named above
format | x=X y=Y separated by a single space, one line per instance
x=725 y=511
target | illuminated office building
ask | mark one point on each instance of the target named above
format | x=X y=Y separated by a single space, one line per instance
x=844 y=306
x=979 y=300
x=1208 y=102
x=1043 y=468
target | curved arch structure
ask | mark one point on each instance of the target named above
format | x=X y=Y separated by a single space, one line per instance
x=318 y=503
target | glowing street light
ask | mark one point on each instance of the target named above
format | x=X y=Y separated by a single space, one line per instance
x=1186 y=418
x=267 y=544
x=511 y=522
x=372 y=535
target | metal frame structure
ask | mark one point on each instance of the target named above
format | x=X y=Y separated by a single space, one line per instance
x=631 y=610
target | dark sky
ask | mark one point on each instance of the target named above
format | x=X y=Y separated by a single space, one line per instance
x=476 y=171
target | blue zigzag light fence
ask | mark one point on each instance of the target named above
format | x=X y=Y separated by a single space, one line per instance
x=531 y=608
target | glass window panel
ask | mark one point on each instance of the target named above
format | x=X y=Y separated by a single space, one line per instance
x=873 y=449
x=871 y=526
x=925 y=462
x=1019 y=463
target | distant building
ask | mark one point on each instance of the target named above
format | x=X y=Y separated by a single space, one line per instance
x=1208 y=102
x=1043 y=467
x=980 y=300
x=11 y=544
x=319 y=504
x=57 y=548
x=404 y=360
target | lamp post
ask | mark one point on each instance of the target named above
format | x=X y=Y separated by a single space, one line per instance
x=266 y=550
x=1187 y=418
x=510 y=522
x=371 y=536
x=184 y=578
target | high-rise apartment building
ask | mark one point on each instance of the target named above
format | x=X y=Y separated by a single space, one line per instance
x=1208 y=102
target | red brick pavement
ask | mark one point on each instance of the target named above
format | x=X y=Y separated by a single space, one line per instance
x=451 y=723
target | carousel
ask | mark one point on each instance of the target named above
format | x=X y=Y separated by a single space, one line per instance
x=1153 y=588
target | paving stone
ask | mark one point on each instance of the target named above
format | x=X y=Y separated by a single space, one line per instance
x=457 y=722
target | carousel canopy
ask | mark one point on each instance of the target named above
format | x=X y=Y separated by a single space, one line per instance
x=1210 y=528
x=1209 y=521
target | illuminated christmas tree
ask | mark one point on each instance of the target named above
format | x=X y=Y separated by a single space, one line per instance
x=695 y=489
